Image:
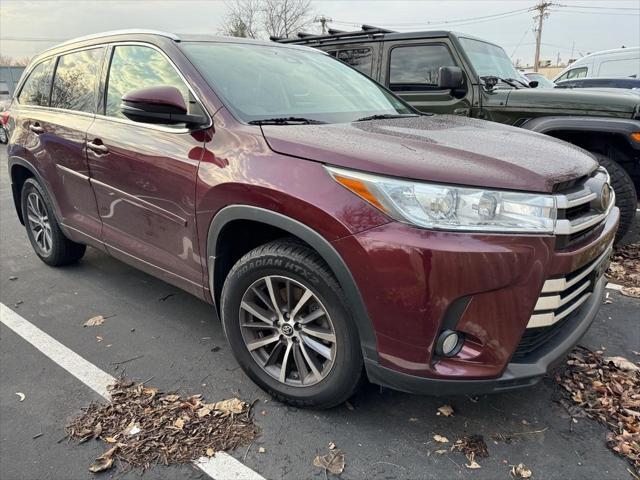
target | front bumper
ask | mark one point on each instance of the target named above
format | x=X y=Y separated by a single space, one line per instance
x=516 y=375
x=491 y=288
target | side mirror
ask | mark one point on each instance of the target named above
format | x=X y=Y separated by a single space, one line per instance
x=163 y=104
x=534 y=83
x=450 y=78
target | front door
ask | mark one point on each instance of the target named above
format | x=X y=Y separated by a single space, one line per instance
x=410 y=70
x=144 y=175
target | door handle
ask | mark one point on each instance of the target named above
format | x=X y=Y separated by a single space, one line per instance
x=98 y=147
x=36 y=128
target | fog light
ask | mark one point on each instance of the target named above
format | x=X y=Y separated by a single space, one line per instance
x=449 y=343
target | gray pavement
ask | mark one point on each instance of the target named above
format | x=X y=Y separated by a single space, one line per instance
x=387 y=435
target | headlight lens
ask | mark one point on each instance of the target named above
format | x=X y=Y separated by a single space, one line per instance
x=445 y=207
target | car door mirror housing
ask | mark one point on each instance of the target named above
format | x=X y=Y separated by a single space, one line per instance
x=159 y=105
x=534 y=83
x=450 y=78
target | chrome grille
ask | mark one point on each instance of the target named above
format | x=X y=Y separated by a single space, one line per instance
x=562 y=296
x=583 y=209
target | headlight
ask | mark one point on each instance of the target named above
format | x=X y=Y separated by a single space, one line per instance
x=445 y=207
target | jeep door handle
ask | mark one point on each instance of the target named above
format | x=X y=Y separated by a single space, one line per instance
x=98 y=148
x=36 y=128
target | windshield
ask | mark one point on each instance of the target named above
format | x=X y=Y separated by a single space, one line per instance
x=488 y=60
x=259 y=82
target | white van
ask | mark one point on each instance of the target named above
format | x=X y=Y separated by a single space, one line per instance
x=621 y=62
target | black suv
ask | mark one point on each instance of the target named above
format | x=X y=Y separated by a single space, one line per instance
x=446 y=72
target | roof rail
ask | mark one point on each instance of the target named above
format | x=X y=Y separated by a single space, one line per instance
x=366 y=31
x=110 y=33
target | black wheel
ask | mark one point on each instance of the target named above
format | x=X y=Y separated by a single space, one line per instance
x=43 y=230
x=626 y=197
x=286 y=320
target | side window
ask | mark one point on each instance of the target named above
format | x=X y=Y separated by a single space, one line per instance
x=577 y=73
x=134 y=67
x=358 y=58
x=625 y=67
x=37 y=88
x=75 y=81
x=416 y=67
x=562 y=77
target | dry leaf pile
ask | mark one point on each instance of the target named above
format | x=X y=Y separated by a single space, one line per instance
x=142 y=427
x=625 y=269
x=606 y=389
x=472 y=447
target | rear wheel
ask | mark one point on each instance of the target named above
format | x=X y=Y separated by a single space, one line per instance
x=626 y=197
x=286 y=320
x=43 y=230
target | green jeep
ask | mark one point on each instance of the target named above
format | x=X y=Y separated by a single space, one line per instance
x=446 y=72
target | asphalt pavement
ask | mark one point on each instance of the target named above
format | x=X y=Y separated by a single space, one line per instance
x=175 y=342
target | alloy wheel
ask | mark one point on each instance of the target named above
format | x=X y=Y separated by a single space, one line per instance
x=39 y=224
x=287 y=331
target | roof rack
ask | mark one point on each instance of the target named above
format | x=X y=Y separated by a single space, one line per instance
x=366 y=31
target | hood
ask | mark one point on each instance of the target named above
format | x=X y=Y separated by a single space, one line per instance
x=574 y=100
x=439 y=148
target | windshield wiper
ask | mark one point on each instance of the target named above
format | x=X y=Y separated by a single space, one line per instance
x=525 y=85
x=385 y=116
x=286 y=121
x=490 y=81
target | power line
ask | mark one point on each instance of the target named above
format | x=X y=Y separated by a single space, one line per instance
x=596 y=13
x=597 y=8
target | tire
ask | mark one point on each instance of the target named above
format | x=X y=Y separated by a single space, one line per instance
x=292 y=270
x=45 y=235
x=626 y=197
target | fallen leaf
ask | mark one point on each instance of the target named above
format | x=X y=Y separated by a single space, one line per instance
x=110 y=440
x=179 y=423
x=441 y=452
x=332 y=446
x=472 y=465
x=413 y=419
x=21 y=396
x=210 y=452
x=446 y=410
x=631 y=292
x=99 y=338
x=232 y=405
x=171 y=398
x=104 y=461
x=132 y=429
x=261 y=450
x=13 y=278
x=520 y=471
x=94 y=321
x=623 y=364
x=333 y=462
x=440 y=438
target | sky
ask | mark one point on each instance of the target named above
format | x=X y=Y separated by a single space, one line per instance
x=578 y=26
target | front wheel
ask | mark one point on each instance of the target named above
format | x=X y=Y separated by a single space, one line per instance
x=626 y=197
x=286 y=320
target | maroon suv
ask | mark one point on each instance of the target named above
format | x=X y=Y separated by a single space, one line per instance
x=337 y=231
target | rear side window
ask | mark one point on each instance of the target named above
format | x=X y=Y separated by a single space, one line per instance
x=625 y=67
x=37 y=88
x=134 y=67
x=358 y=58
x=75 y=81
x=416 y=67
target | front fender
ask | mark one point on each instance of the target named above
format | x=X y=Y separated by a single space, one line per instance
x=621 y=126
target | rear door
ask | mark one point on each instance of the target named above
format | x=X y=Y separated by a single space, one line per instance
x=410 y=70
x=144 y=175
x=55 y=117
x=362 y=56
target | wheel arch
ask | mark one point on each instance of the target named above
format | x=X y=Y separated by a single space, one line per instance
x=276 y=225
x=19 y=171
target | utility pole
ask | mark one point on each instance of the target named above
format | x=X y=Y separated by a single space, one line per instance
x=322 y=20
x=541 y=8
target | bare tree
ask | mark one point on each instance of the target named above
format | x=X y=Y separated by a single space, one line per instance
x=284 y=18
x=242 y=18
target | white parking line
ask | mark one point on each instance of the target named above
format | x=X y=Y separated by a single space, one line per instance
x=222 y=466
